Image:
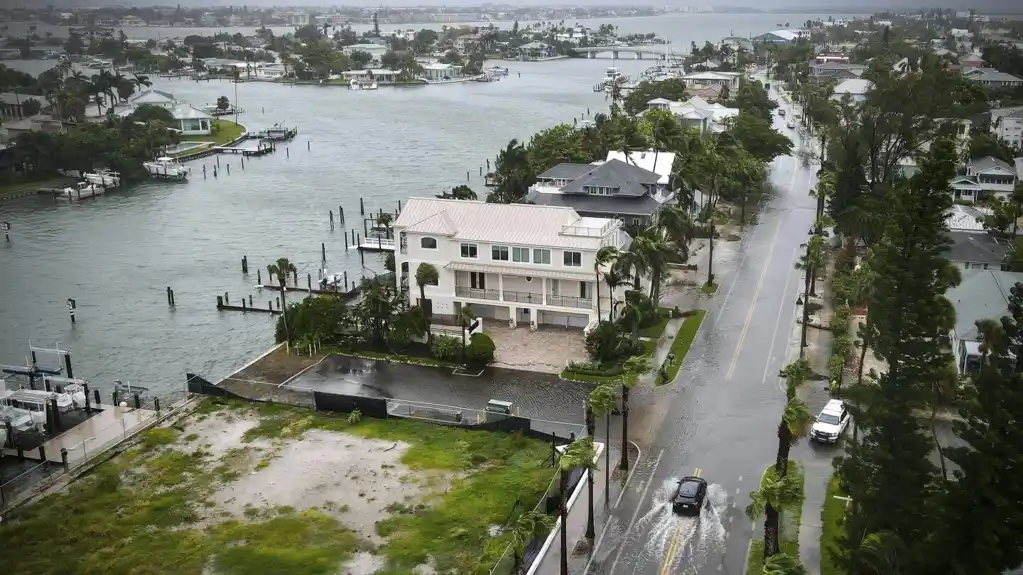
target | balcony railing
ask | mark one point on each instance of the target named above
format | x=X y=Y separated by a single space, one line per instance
x=569 y=301
x=476 y=293
x=523 y=297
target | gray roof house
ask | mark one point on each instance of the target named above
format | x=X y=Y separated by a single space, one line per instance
x=836 y=70
x=992 y=77
x=972 y=251
x=982 y=295
x=620 y=187
x=984 y=177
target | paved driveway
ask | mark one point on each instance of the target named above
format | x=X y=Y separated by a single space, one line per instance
x=547 y=350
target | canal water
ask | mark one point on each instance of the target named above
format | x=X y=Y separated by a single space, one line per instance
x=117 y=254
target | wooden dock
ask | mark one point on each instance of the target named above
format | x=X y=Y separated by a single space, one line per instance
x=350 y=294
x=376 y=245
x=107 y=426
x=222 y=306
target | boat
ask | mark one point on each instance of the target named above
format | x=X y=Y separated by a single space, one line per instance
x=65 y=402
x=126 y=392
x=81 y=190
x=613 y=78
x=278 y=133
x=105 y=178
x=24 y=402
x=19 y=419
x=357 y=84
x=166 y=168
x=496 y=71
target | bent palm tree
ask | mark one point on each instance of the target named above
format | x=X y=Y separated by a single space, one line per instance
x=528 y=526
x=766 y=502
x=578 y=454
x=634 y=367
x=605 y=256
x=783 y=564
x=282 y=268
x=426 y=274
x=795 y=424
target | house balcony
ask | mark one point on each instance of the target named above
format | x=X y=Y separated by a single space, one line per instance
x=569 y=301
x=476 y=293
x=523 y=297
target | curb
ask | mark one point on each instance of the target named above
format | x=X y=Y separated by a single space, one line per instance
x=607 y=523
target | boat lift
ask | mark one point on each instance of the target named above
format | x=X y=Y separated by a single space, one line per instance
x=32 y=370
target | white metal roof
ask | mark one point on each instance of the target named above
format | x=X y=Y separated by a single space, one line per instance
x=521 y=224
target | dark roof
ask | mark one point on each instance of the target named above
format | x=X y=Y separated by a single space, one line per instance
x=630 y=180
x=566 y=171
x=598 y=206
x=976 y=249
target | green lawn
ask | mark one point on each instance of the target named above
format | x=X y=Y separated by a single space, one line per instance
x=588 y=378
x=683 y=341
x=30 y=183
x=832 y=516
x=789 y=536
x=224 y=131
x=709 y=289
x=140 y=512
x=654 y=331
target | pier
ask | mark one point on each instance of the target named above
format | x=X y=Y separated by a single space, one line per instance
x=377 y=244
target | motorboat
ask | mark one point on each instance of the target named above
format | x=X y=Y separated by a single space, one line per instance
x=496 y=71
x=105 y=178
x=19 y=419
x=357 y=84
x=30 y=402
x=81 y=190
x=166 y=168
x=613 y=79
x=64 y=400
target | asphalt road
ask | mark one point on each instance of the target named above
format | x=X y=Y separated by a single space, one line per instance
x=718 y=420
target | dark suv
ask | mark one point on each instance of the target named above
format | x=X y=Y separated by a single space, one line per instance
x=689 y=496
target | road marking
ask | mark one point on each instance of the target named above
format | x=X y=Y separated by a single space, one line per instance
x=635 y=514
x=753 y=304
x=698 y=472
x=672 y=551
x=777 y=320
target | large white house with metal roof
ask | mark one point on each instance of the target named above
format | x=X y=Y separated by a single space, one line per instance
x=517 y=263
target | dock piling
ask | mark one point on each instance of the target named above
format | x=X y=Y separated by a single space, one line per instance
x=362 y=257
x=467 y=175
x=250 y=300
x=270 y=306
x=243 y=304
x=331 y=214
x=488 y=164
x=204 y=171
x=346 y=280
x=287 y=152
x=481 y=171
x=245 y=264
x=138 y=402
x=7 y=231
x=227 y=299
x=71 y=305
x=57 y=424
x=214 y=171
x=63 y=459
x=88 y=403
x=170 y=296
x=278 y=301
x=95 y=394
x=259 y=276
x=362 y=208
x=346 y=242
x=21 y=452
x=116 y=398
x=399 y=205
x=42 y=453
x=341 y=212
x=309 y=282
x=156 y=404
x=308 y=145
x=243 y=163
x=218 y=161
x=323 y=252
x=229 y=169
x=220 y=302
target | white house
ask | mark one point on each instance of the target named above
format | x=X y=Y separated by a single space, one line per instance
x=982 y=295
x=435 y=71
x=515 y=263
x=992 y=77
x=855 y=88
x=728 y=80
x=1007 y=125
x=984 y=177
x=189 y=120
x=697 y=113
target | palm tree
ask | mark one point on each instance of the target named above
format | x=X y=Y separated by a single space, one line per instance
x=605 y=257
x=809 y=262
x=711 y=170
x=677 y=227
x=783 y=564
x=578 y=454
x=614 y=279
x=426 y=274
x=774 y=493
x=465 y=318
x=795 y=423
x=656 y=253
x=528 y=526
x=600 y=403
x=634 y=367
x=282 y=268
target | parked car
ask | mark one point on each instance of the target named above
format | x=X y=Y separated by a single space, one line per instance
x=689 y=496
x=781 y=112
x=831 y=422
x=791 y=125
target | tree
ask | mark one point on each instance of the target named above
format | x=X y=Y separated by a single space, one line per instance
x=753 y=99
x=559 y=144
x=783 y=564
x=605 y=257
x=465 y=318
x=30 y=107
x=984 y=531
x=758 y=137
x=796 y=417
x=459 y=192
x=671 y=89
x=223 y=103
x=909 y=282
x=600 y=403
x=766 y=502
x=578 y=454
x=151 y=113
x=427 y=274
x=314 y=319
x=529 y=526
x=634 y=367
x=809 y=263
x=283 y=268
x=711 y=171
x=512 y=175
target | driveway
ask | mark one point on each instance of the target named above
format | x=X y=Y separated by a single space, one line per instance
x=537 y=395
x=546 y=350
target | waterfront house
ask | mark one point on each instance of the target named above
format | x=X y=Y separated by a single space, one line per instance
x=435 y=71
x=12 y=104
x=972 y=247
x=836 y=70
x=708 y=93
x=9 y=131
x=729 y=80
x=189 y=121
x=631 y=188
x=536 y=51
x=981 y=295
x=991 y=77
x=697 y=113
x=778 y=37
x=855 y=89
x=1007 y=125
x=516 y=263
x=984 y=177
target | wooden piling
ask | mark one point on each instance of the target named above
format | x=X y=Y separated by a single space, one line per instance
x=309 y=282
x=341 y=212
x=278 y=298
x=346 y=280
x=245 y=264
x=250 y=300
x=331 y=214
x=170 y=296
x=259 y=276
x=362 y=208
x=346 y=242
x=323 y=252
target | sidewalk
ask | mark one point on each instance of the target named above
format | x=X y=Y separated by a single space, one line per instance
x=578 y=548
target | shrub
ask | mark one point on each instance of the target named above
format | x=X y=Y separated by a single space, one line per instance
x=480 y=350
x=595 y=368
x=607 y=342
x=445 y=347
x=813 y=307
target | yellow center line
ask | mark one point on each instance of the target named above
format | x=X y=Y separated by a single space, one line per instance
x=675 y=542
x=753 y=304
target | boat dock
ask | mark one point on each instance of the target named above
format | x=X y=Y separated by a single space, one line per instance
x=223 y=305
x=377 y=244
x=349 y=294
x=107 y=425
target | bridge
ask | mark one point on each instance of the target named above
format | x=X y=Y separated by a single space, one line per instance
x=657 y=51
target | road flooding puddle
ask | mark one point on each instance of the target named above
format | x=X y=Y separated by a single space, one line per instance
x=680 y=544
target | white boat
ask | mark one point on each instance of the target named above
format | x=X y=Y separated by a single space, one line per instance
x=357 y=84
x=32 y=404
x=613 y=77
x=82 y=190
x=166 y=168
x=19 y=419
x=105 y=178
x=496 y=71
x=64 y=400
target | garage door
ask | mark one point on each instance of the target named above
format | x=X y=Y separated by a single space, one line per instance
x=564 y=319
x=485 y=311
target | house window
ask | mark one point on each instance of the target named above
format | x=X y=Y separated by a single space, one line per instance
x=520 y=255
x=499 y=253
x=541 y=256
x=469 y=251
x=432 y=282
x=573 y=259
x=428 y=243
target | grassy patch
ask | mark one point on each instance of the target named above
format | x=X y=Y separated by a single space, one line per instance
x=649 y=346
x=33 y=182
x=709 y=289
x=654 y=331
x=224 y=131
x=409 y=359
x=789 y=523
x=588 y=378
x=683 y=341
x=832 y=522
